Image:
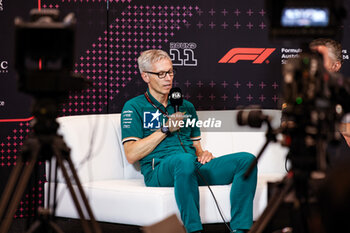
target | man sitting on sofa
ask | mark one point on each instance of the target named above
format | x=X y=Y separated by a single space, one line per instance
x=171 y=156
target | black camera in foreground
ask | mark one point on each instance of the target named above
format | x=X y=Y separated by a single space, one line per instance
x=44 y=61
x=44 y=54
x=314 y=102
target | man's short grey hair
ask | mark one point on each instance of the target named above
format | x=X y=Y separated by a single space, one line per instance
x=334 y=48
x=149 y=57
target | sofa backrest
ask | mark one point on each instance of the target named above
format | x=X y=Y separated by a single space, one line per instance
x=98 y=154
x=96 y=148
x=233 y=138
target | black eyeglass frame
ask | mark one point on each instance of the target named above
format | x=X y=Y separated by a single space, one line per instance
x=165 y=73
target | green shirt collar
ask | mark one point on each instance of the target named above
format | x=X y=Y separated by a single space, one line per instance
x=156 y=101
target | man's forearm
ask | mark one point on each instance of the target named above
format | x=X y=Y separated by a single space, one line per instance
x=136 y=150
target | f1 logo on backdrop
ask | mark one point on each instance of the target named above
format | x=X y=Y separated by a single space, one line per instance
x=257 y=55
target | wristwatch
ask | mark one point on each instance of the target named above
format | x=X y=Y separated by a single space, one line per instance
x=165 y=130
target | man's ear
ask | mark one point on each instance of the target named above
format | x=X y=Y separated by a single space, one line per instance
x=336 y=66
x=145 y=77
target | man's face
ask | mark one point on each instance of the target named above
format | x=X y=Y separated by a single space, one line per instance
x=329 y=63
x=155 y=84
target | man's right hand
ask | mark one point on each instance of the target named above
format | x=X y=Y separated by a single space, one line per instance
x=174 y=121
x=136 y=150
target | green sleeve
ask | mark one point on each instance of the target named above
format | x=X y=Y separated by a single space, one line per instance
x=131 y=123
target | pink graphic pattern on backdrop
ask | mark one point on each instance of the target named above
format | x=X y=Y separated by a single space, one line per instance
x=137 y=28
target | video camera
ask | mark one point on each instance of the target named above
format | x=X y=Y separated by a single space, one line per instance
x=44 y=54
x=314 y=102
x=44 y=49
x=313 y=99
x=44 y=60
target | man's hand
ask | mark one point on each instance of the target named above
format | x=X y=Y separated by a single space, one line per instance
x=173 y=121
x=205 y=156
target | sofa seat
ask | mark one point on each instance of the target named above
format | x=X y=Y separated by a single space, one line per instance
x=130 y=202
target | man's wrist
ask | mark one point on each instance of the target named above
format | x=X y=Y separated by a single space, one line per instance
x=165 y=129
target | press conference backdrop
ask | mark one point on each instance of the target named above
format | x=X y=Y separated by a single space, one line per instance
x=110 y=36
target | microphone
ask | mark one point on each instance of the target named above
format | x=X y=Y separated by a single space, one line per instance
x=176 y=98
x=253 y=118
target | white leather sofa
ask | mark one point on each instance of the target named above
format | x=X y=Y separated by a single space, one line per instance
x=116 y=189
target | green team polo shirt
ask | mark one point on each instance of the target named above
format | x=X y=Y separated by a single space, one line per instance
x=139 y=119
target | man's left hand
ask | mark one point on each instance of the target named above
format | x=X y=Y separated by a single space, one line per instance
x=205 y=157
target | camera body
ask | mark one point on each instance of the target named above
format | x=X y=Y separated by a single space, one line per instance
x=44 y=54
x=312 y=110
x=44 y=61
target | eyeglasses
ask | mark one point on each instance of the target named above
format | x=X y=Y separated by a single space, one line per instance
x=162 y=74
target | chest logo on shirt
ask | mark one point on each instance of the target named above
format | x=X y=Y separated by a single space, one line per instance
x=151 y=120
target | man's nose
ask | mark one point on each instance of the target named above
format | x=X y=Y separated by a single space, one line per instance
x=168 y=77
